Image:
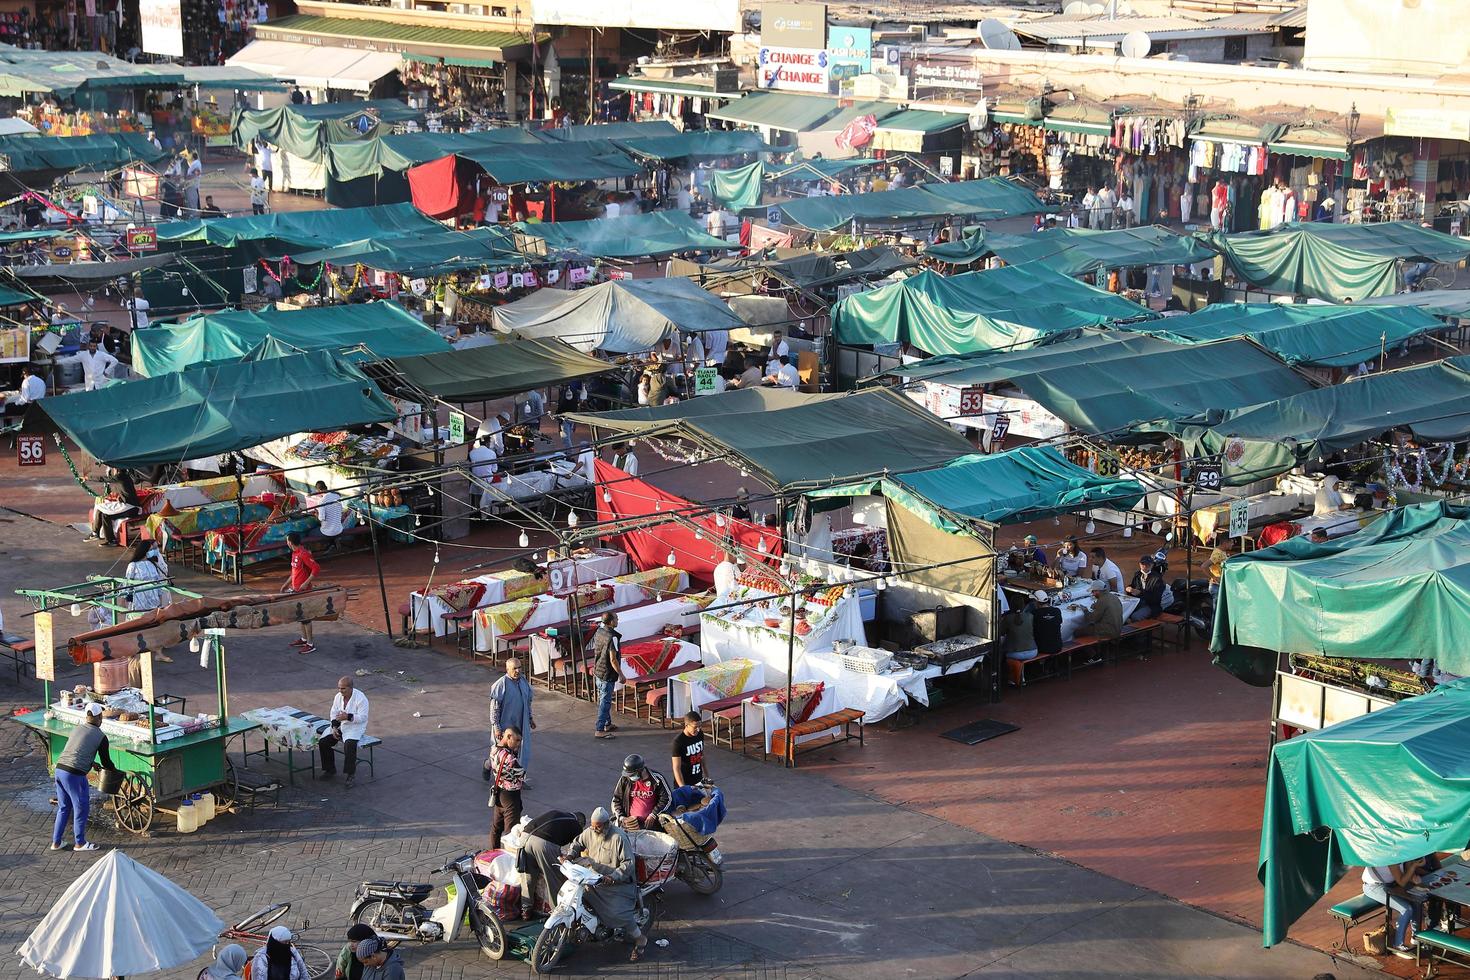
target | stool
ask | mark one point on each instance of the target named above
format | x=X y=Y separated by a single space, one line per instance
x=657 y=701
x=410 y=629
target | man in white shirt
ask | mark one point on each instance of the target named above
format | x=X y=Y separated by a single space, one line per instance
x=725 y=573
x=626 y=461
x=778 y=348
x=716 y=342
x=96 y=365
x=483 y=467
x=785 y=375
x=714 y=223
x=493 y=429
x=327 y=505
x=258 y=193
x=612 y=209
x=140 y=312
x=1104 y=569
x=32 y=388
x=349 y=718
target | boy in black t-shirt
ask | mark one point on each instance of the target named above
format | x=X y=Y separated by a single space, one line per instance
x=1046 y=621
x=688 y=753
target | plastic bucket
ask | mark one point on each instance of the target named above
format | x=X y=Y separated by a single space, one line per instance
x=110 y=781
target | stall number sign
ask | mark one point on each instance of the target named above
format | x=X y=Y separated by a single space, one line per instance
x=500 y=195
x=972 y=401
x=999 y=428
x=704 y=380
x=1240 y=518
x=773 y=216
x=946 y=166
x=142 y=239
x=1207 y=475
x=456 y=427
x=1107 y=465
x=30 y=450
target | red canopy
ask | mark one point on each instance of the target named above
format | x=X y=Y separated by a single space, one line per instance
x=650 y=547
x=443 y=188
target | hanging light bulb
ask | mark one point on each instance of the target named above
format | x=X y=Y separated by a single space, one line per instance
x=671 y=559
x=785 y=567
x=416 y=521
x=431 y=491
x=744 y=471
x=1169 y=536
x=1128 y=531
x=1091 y=527
x=658 y=505
x=524 y=539
x=1157 y=527
x=193 y=644
x=76 y=610
x=719 y=520
x=1057 y=521
x=763 y=546
x=607 y=496
x=881 y=584
x=436 y=554
x=536 y=556
x=571 y=518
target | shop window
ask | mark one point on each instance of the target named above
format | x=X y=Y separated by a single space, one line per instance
x=1235 y=49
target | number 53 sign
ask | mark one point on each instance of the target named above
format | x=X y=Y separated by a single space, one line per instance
x=30 y=450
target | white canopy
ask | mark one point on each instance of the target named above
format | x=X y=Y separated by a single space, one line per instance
x=120 y=919
x=318 y=65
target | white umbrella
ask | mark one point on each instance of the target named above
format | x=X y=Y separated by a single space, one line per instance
x=120 y=919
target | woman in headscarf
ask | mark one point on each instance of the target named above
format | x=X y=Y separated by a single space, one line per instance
x=278 y=959
x=349 y=967
x=1328 y=501
x=227 y=965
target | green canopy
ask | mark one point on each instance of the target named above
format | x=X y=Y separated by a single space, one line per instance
x=795 y=441
x=384 y=329
x=482 y=373
x=425 y=254
x=963 y=251
x=737 y=189
x=14 y=297
x=621 y=316
x=1333 y=261
x=785 y=111
x=700 y=143
x=217 y=409
x=1080 y=251
x=1106 y=382
x=306 y=130
x=1321 y=336
x=1440 y=302
x=626 y=237
x=64 y=73
x=306 y=229
x=1379 y=789
x=600 y=132
x=101 y=151
x=818 y=169
x=1024 y=484
x=514 y=163
x=1432 y=400
x=986 y=310
x=1397 y=589
x=354 y=158
x=993 y=197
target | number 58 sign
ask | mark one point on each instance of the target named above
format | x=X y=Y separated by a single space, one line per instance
x=30 y=450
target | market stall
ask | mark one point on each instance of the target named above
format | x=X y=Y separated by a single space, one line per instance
x=766 y=627
x=429 y=607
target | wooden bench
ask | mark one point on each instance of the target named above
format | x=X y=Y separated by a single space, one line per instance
x=1061 y=661
x=1177 y=621
x=367 y=744
x=1442 y=947
x=16 y=648
x=842 y=720
x=636 y=689
x=1357 y=909
x=731 y=712
x=1143 y=629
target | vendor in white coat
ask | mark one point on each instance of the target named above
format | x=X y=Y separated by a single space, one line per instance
x=725 y=574
x=1328 y=501
x=97 y=366
x=349 y=718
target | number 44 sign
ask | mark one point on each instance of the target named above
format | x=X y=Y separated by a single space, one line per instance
x=30 y=450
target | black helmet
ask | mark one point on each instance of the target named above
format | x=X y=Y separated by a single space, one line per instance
x=633 y=764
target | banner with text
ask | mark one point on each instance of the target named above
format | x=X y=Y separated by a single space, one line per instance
x=162 y=22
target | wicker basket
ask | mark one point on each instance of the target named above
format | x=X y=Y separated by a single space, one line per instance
x=866 y=660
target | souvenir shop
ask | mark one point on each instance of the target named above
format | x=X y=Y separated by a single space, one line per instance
x=473 y=84
x=1384 y=169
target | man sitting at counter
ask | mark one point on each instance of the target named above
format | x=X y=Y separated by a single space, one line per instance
x=1148 y=586
x=78 y=757
x=1105 y=619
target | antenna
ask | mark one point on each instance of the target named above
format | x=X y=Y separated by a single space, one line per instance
x=1135 y=44
x=997 y=36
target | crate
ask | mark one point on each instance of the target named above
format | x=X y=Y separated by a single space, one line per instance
x=866 y=660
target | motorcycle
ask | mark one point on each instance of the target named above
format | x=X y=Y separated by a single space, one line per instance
x=699 y=860
x=1192 y=599
x=395 y=909
x=571 y=921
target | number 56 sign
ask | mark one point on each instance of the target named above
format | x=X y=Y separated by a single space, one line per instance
x=30 y=450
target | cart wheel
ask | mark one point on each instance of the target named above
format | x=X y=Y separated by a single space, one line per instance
x=228 y=791
x=133 y=804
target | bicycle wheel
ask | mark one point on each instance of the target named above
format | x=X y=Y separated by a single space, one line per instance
x=266 y=917
x=319 y=965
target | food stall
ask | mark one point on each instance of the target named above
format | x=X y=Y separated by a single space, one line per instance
x=163 y=754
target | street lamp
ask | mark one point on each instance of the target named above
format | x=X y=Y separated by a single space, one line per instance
x=1354 y=116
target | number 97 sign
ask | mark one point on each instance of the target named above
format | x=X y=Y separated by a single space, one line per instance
x=30 y=450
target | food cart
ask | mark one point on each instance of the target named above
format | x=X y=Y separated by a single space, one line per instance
x=162 y=754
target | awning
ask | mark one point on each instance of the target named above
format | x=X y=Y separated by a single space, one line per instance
x=622 y=316
x=915 y=130
x=382 y=330
x=306 y=229
x=1107 y=382
x=1440 y=302
x=493 y=371
x=631 y=236
x=213 y=410
x=846 y=114
x=1311 y=141
x=99 y=151
x=399 y=39
x=1079 y=118
x=712 y=143
x=229 y=77
x=737 y=189
x=671 y=86
x=518 y=164
x=778 y=110
x=795 y=441
x=993 y=197
x=459 y=61
x=1079 y=251
x=317 y=65
x=14 y=297
x=1235 y=131
x=425 y=254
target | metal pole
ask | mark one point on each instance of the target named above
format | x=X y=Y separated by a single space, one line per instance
x=378 y=561
x=239 y=521
x=789 y=761
x=1188 y=532
x=574 y=642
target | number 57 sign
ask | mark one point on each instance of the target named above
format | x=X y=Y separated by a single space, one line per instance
x=30 y=450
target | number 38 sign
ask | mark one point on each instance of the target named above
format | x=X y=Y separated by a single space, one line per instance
x=30 y=450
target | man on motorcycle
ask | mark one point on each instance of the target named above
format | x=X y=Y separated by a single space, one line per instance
x=640 y=795
x=606 y=849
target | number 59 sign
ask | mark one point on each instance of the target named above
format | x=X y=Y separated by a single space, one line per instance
x=30 y=450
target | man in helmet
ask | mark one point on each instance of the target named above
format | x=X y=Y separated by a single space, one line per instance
x=640 y=796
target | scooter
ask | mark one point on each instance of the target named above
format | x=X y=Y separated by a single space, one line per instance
x=395 y=910
x=571 y=921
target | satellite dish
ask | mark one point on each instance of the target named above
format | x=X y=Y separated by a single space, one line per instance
x=1077 y=8
x=979 y=116
x=1136 y=44
x=1124 y=9
x=997 y=36
x=1097 y=8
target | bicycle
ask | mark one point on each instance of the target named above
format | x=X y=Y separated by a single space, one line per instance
x=319 y=964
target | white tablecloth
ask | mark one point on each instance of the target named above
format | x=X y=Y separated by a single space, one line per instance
x=646 y=621
x=524 y=486
x=1338 y=524
x=742 y=633
x=603 y=563
x=876 y=695
x=1072 y=618
x=549 y=609
x=689 y=692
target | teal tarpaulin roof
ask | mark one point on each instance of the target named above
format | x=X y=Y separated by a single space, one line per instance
x=1079 y=251
x=1440 y=302
x=992 y=197
x=1385 y=787
x=306 y=130
x=621 y=316
x=425 y=254
x=354 y=158
x=384 y=329
x=1321 y=336
x=217 y=409
x=517 y=164
x=976 y=311
x=1431 y=400
x=653 y=129
x=737 y=189
x=1023 y=484
x=701 y=143
x=496 y=370
x=798 y=441
x=103 y=151
x=306 y=229
x=626 y=237
x=818 y=169
x=963 y=251
x=1108 y=382
x=778 y=110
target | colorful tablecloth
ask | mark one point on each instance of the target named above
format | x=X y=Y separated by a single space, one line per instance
x=286 y=727
x=197 y=520
x=655 y=583
x=655 y=656
x=271 y=537
x=601 y=563
x=766 y=713
x=805 y=696
x=876 y=539
x=714 y=682
x=502 y=586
